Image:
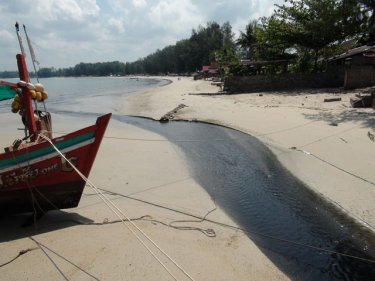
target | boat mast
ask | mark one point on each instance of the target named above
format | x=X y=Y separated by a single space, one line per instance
x=32 y=54
x=26 y=98
x=28 y=113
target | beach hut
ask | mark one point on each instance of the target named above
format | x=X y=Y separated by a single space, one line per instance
x=260 y=67
x=210 y=71
x=359 y=65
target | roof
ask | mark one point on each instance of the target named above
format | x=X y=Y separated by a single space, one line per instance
x=205 y=68
x=263 y=62
x=365 y=50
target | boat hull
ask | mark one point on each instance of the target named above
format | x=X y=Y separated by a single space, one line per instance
x=49 y=197
x=37 y=178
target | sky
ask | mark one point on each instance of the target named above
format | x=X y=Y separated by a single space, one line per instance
x=67 y=32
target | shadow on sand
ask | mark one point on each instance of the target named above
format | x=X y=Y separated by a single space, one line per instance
x=365 y=119
x=21 y=226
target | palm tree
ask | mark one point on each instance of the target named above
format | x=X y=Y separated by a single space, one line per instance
x=248 y=39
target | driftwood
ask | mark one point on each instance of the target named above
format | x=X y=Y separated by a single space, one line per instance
x=171 y=114
x=332 y=99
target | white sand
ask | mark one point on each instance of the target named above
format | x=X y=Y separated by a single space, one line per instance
x=342 y=169
x=153 y=171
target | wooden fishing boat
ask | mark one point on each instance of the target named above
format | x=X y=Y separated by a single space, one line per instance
x=34 y=177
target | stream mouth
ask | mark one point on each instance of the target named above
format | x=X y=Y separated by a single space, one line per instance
x=307 y=237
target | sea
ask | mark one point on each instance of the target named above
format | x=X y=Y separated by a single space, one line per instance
x=302 y=234
x=92 y=94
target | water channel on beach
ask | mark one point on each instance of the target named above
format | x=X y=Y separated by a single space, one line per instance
x=300 y=232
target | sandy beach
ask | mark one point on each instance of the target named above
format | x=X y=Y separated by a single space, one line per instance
x=326 y=145
x=83 y=244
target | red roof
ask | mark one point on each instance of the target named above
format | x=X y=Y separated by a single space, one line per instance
x=206 y=68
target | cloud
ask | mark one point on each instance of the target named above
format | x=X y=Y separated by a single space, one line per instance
x=76 y=10
x=6 y=37
x=66 y=32
x=175 y=15
x=139 y=3
x=118 y=24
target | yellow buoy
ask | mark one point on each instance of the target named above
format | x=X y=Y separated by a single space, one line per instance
x=44 y=95
x=17 y=98
x=39 y=87
x=15 y=106
x=15 y=103
x=38 y=96
x=33 y=94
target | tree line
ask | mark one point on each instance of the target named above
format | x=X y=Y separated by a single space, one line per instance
x=185 y=57
x=303 y=32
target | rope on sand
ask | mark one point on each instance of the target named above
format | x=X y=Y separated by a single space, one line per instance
x=335 y=166
x=237 y=228
x=120 y=214
x=20 y=253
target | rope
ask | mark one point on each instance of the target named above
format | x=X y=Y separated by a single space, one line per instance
x=30 y=188
x=327 y=162
x=329 y=136
x=117 y=212
x=33 y=188
x=285 y=130
x=207 y=232
x=164 y=140
x=352 y=174
x=98 y=191
x=50 y=259
x=337 y=167
x=42 y=246
x=347 y=172
x=20 y=253
x=252 y=232
x=150 y=140
x=241 y=229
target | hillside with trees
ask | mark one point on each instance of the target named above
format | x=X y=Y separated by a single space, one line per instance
x=304 y=32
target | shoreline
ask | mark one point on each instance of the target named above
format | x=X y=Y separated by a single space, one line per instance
x=82 y=243
x=141 y=164
x=292 y=158
x=338 y=208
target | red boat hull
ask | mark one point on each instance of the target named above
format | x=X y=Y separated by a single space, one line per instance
x=37 y=178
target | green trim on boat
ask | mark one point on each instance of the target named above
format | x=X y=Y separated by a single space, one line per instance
x=44 y=151
x=7 y=92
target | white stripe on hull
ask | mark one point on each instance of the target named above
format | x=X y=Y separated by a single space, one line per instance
x=48 y=156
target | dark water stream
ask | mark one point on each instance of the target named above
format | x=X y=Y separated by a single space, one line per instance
x=246 y=180
x=287 y=221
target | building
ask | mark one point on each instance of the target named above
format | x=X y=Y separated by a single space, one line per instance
x=211 y=70
x=359 y=65
x=260 y=67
